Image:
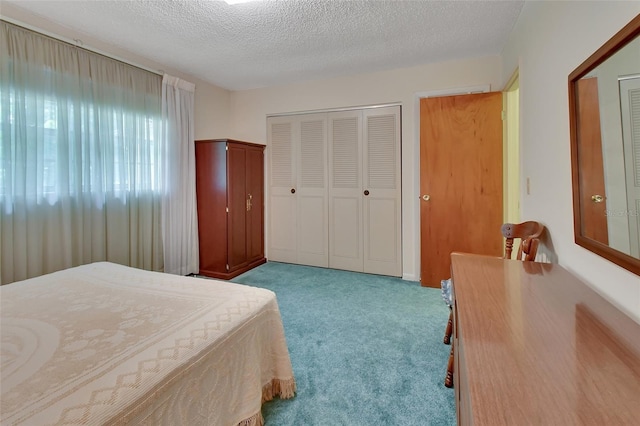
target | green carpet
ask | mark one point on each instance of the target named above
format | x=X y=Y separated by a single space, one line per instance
x=365 y=349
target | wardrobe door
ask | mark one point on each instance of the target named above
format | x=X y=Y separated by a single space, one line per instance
x=345 y=190
x=255 y=203
x=282 y=188
x=382 y=191
x=236 y=202
x=312 y=221
x=211 y=192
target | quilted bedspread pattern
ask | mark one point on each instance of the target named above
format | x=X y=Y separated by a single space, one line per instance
x=108 y=344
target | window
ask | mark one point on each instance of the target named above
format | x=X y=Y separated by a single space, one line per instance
x=80 y=158
x=60 y=137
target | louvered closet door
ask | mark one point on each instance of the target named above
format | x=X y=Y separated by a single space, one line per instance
x=319 y=213
x=630 y=107
x=345 y=190
x=298 y=231
x=382 y=183
x=311 y=194
x=282 y=200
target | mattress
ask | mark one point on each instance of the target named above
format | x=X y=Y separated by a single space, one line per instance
x=108 y=344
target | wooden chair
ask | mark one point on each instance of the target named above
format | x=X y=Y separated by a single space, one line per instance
x=529 y=235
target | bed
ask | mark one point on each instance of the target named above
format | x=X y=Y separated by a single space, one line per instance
x=108 y=344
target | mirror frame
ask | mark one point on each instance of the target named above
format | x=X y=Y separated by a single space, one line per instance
x=619 y=40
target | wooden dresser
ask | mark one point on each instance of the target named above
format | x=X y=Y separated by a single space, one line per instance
x=536 y=346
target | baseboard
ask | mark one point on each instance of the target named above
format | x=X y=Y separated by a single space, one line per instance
x=410 y=277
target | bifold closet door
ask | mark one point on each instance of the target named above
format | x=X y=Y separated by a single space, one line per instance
x=335 y=195
x=345 y=191
x=298 y=189
x=382 y=191
x=312 y=221
x=282 y=186
x=365 y=191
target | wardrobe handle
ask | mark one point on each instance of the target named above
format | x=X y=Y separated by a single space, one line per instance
x=293 y=191
x=249 y=203
x=366 y=192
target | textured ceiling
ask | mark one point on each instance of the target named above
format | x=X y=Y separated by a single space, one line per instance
x=269 y=43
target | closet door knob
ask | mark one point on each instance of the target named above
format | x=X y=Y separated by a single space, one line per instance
x=366 y=192
x=293 y=191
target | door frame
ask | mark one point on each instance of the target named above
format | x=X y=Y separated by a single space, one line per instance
x=416 y=162
x=511 y=149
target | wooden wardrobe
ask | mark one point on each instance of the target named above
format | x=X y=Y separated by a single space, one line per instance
x=230 y=194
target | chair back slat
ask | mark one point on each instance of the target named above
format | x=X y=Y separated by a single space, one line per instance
x=529 y=235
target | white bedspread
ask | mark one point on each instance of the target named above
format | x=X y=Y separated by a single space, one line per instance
x=109 y=344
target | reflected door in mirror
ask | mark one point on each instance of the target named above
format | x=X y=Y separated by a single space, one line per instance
x=592 y=190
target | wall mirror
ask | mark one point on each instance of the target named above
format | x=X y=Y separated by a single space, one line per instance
x=604 y=112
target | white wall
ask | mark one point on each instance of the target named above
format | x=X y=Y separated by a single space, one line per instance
x=250 y=108
x=548 y=42
x=211 y=102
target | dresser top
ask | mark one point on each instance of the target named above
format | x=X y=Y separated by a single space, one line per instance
x=541 y=347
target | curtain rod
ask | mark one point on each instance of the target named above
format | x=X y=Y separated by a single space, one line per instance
x=77 y=43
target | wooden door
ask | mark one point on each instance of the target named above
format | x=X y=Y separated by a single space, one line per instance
x=593 y=205
x=461 y=173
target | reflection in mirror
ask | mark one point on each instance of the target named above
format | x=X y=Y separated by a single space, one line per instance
x=604 y=98
x=608 y=101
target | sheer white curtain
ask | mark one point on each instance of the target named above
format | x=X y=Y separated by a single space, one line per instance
x=179 y=213
x=80 y=158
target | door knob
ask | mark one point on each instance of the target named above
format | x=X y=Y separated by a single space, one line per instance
x=426 y=197
x=293 y=191
x=366 y=192
x=597 y=198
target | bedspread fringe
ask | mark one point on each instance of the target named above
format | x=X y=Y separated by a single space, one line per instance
x=284 y=388
x=255 y=420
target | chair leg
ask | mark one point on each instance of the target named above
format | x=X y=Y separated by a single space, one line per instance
x=448 y=380
x=449 y=330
